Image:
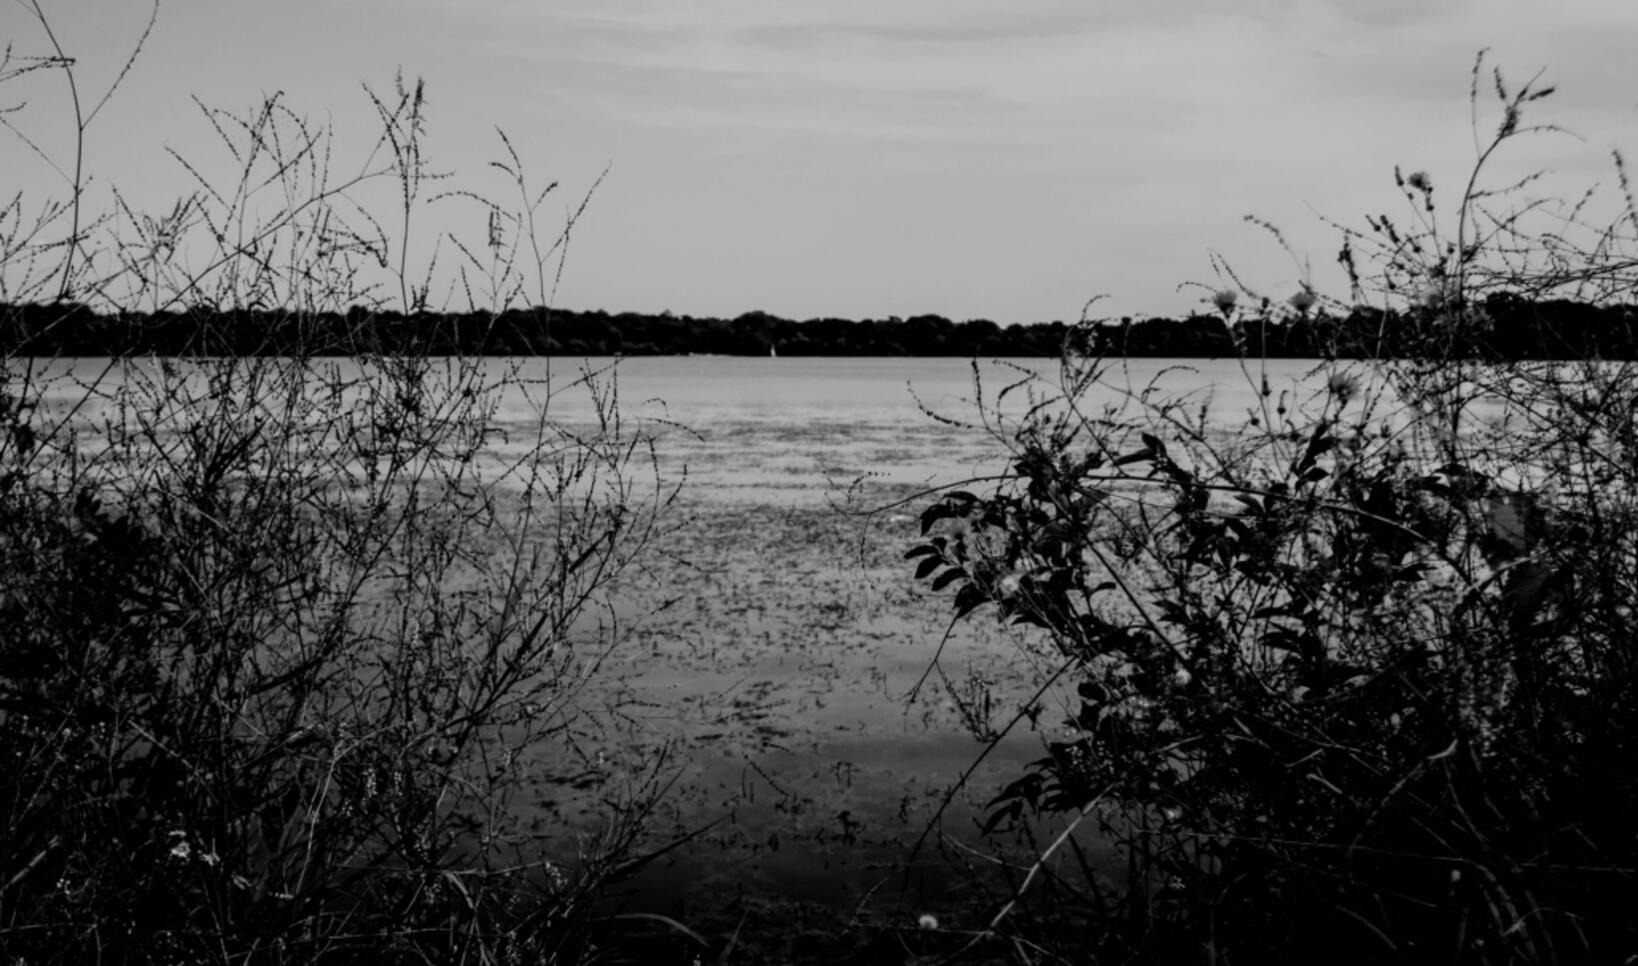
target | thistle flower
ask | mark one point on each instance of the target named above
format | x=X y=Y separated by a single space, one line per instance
x=927 y=921
x=1420 y=181
x=1303 y=300
x=1342 y=385
x=1224 y=300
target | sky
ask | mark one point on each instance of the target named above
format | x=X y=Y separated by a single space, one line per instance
x=868 y=158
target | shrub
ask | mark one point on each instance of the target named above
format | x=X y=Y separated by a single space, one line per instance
x=1352 y=677
x=279 y=637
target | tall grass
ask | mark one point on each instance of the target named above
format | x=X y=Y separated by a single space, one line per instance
x=276 y=634
x=1352 y=671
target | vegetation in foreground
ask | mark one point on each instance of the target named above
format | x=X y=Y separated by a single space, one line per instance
x=275 y=634
x=1353 y=680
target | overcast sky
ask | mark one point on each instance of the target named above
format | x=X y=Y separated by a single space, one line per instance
x=859 y=158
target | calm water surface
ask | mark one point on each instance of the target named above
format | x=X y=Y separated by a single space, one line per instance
x=782 y=676
x=796 y=428
x=792 y=430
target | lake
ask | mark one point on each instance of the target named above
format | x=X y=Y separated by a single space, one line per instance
x=777 y=638
x=770 y=429
x=792 y=429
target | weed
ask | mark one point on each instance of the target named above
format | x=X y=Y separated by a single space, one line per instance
x=1352 y=674
x=279 y=634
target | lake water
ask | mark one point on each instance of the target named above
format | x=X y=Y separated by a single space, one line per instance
x=781 y=678
x=797 y=428
x=764 y=429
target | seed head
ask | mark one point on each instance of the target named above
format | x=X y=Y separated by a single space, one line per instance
x=1342 y=385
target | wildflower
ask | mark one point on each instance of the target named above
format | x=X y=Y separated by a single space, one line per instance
x=1224 y=300
x=1303 y=300
x=183 y=851
x=1420 y=181
x=1182 y=677
x=180 y=850
x=927 y=921
x=1342 y=385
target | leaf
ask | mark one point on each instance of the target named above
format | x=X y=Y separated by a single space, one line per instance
x=1137 y=456
x=928 y=566
x=920 y=551
x=1025 y=789
x=1031 y=618
x=948 y=577
x=968 y=599
x=961 y=496
x=1283 y=640
x=1011 y=812
x=1318 y=445
x=935 y=513
x=1153 y=442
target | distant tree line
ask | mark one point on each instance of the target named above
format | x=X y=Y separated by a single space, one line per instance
x=1518 y=329
x=1510 y=328
x=71 y=329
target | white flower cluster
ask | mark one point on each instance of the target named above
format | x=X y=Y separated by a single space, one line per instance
x=183 y=850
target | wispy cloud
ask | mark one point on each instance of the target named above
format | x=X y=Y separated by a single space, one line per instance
x=1014 y=155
